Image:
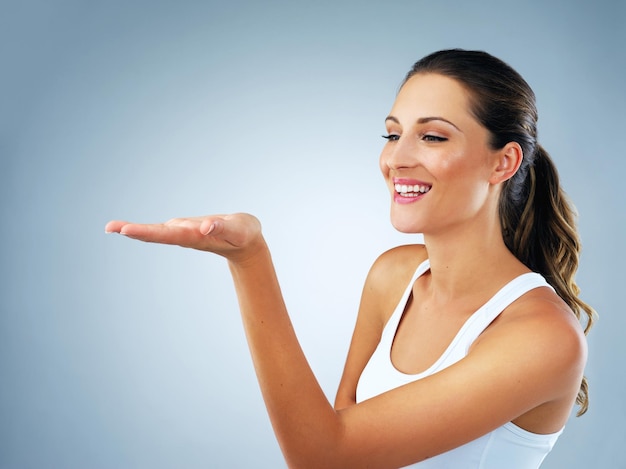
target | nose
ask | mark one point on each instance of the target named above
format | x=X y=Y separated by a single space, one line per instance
x=399 y=154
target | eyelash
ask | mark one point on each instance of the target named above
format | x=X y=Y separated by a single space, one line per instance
x=391 y=137
x=427 y=138
x=434 y=138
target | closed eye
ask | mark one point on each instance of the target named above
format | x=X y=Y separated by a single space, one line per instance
x=433 y=138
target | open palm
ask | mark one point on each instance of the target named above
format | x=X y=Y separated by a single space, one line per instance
x=234 y=236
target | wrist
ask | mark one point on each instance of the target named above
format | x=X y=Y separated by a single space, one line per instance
x=256 y=254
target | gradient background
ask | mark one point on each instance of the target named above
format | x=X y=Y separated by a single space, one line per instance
x=116 y=354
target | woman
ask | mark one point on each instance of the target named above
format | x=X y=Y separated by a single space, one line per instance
x=467 y=351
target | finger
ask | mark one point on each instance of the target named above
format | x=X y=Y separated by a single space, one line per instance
x=161 y=233
x=114 y=226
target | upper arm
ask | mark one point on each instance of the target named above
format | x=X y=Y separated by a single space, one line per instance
x=384 y=285
x=513 y=370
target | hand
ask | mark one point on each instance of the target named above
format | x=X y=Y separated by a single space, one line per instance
x=236 y=237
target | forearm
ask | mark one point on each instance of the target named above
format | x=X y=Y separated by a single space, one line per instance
x=305 y=423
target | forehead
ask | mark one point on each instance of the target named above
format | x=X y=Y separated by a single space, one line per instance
x=431 y=94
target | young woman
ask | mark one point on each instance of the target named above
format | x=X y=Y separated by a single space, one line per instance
x=467 y=351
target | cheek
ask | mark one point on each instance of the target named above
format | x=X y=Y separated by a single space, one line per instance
x=457 y=167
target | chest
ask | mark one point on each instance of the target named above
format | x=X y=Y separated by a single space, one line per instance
x=424 y=333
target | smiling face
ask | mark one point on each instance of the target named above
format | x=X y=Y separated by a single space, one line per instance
x=437 y=161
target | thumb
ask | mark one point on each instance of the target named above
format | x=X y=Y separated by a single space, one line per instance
x=212 y=226
x=238 y=229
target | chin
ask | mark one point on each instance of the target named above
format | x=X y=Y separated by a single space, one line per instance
x=405 y=220
x=406 y=226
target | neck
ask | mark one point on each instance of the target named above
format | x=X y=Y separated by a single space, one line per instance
x=465 y=259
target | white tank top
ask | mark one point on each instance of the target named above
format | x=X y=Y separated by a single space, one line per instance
x=507 y=447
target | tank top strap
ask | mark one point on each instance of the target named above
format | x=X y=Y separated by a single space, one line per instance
x=485 y=315
x=390 y=328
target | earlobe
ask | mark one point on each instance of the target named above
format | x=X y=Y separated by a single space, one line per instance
x=509 y=159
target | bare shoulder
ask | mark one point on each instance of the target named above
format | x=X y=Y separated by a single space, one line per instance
x=548 y=316
x=396 y=264
x=390 y=274
x=540 y=325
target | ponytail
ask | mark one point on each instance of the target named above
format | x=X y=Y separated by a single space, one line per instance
x=542 y=234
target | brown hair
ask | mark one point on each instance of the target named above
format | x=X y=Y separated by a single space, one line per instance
x=538 y=221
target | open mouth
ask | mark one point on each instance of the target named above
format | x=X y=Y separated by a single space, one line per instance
x=407 y=190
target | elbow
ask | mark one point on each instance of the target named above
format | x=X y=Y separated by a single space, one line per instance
x=325 y=449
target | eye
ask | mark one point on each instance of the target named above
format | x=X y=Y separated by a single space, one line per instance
x=433 y=138
x=391 y=137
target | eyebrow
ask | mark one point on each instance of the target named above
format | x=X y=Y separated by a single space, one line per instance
x=424 y=120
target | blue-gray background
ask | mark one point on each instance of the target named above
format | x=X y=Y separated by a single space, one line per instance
x=115 y=354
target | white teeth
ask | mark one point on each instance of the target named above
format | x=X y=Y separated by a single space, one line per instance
x=407 y=189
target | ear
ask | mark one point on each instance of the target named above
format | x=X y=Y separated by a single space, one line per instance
x=507 y=161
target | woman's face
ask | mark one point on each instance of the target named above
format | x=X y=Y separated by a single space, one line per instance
x=437 y=161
